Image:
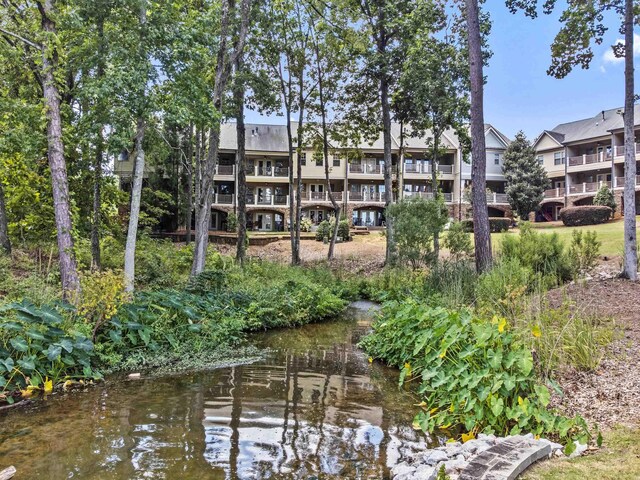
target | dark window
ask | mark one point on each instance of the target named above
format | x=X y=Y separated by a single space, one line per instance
x=558 y=159
x=336 y=160
x=319 y=161
x=303 y=158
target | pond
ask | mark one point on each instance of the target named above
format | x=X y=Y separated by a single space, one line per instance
x=314 y=407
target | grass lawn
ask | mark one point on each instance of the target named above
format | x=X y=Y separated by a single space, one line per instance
x=610 y=234
x=619 y=459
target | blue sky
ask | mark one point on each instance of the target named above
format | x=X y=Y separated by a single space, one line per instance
x=519 y=95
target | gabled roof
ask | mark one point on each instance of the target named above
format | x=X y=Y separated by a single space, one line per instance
x=597 y=126
x=501 y=136
x=555 y=136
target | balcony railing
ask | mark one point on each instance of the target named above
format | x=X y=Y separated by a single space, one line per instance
x=365 y=197
x=554 y=192
x=497 y=198
x=445 y=168
x=223 y=199
x=424 y=168
x=589 y=159
x=619 y=182
x=620 y=150
x=268 y=171
x=322 y=196
x=225 y=170
x=590 y=187
x=365 y=169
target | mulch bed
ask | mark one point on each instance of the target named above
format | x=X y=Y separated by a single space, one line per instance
x=611 y=394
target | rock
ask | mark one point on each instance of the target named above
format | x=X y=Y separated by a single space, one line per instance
x=286 y=470
x=529 y=436
x=402 y=469
x=425 y=472
x=454 y=466
x=433 y=457
x=471 y=446
x=9 y=472
x=134 y=376
x=580 y=449
x=559 y=453
x=487 y=438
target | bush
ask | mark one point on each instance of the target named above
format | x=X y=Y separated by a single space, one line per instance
x=452 y=284
x=305 y=224
x=585 y=215
x=544 y=254
x=458 y=241
x=471 y=373
x=232 y=222
x=584 y=250
x=501 y=289
x=323 y=231
x=605 y=197
x=415 y=222
x=496 y=224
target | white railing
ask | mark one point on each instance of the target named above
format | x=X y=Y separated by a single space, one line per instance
x=619 y=182
x=445 y=168
x=365 y=169
x=257 y=171
x=377 y=197
x=554 y=192
x=588 y=187
x=267 y=200
x=424 y=168
x=227 y=170
x=620 y=150
x=589 y=159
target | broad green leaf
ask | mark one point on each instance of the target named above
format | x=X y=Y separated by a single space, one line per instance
x=19 y=343
x=53 y=352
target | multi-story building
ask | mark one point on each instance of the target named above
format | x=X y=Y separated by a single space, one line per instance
x=580 y=157
x=357 y=181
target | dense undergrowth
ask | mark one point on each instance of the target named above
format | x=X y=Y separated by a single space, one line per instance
x=480 y=350
x=45 y=342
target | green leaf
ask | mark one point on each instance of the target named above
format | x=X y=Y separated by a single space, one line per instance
x=19 y=343
x=497 y=405
x=145 y=335
x=525 y=363
x=53 y=352
x=8 y=363
x=27 y=364
x=115 y=336
x=36 y=335
x=569 y=448
x=599 y=440
x=543 y=394
x=66 y=344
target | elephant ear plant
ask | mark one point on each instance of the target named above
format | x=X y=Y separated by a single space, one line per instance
x=37 y=351
x=473 y=375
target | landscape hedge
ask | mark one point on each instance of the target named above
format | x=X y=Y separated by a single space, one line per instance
x=585 y=215
x=496 y=224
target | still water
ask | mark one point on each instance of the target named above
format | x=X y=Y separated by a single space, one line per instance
x=314 y=408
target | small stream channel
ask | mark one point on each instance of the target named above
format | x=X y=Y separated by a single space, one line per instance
x=314 y=408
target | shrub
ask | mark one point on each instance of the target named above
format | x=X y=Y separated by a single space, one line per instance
x=415 y=222
x=232 y=222
x=458 y=241
x=501 y=289
x=38 y=351
x=496 y=224
x=305 y=224
x=450 y=283
x=544 y=254
x=585 y=215
x=471 y=373
x=343 y=230
x=102 y=295
x=605 y=197
x=323 y=231
x=583 y=250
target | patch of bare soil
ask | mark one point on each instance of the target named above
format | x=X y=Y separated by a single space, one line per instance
x=610 y=394
x=363 y=255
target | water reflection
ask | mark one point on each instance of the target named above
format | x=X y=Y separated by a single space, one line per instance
x=314 y=408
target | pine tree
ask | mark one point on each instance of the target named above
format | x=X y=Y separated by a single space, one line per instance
x=525 y=176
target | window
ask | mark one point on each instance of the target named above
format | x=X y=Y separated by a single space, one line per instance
x=303 y=158
x=496 y=158
x=558 y=158
x=540 y=159
x=319 y=160
x=336 y=160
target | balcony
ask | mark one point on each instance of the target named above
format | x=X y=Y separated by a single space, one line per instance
x=589 y=159
x=225 y=170
x=619 y=182
x=445 y=168
x=365 y=169
x=583 y=188
x=448 y=196
x=424 y=168
x=496 y=198
x=267 y=200
x=273 y=172
x=554 y=192
x=376 y=197
x=620 y=150
x=223 y=199
x=321 y=196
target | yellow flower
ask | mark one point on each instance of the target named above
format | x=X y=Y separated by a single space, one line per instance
x=536 y=332
x=501 y=325
x=370 y=359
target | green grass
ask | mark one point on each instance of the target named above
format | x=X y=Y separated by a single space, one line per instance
x=610 y=234
x=619 y=459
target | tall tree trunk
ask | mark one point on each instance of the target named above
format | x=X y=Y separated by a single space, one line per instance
x=434 y=183
x=222 y=71
x=401 y=160
x=300 y=139
x=5 y=243
x=134 y=209
x=57 y=164
x=241 y=161
x=188 y=211
x=325 y=154
x=482 y=236
x=388 y=180
x=630 y=268
x=97 y=201
x=295 y=257
x=198 y=166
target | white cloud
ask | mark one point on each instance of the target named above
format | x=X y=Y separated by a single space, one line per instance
x=609 y=57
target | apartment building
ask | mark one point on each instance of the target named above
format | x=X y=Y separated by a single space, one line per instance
x=580 y=157
x=356 y=177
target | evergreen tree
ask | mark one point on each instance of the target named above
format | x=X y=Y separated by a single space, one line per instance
x=605 y=197
x=526 y=178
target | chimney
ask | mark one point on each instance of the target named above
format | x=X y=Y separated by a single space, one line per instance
x=602 y=114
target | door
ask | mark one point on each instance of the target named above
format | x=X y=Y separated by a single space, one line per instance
x=268 y=222
x=265 y=167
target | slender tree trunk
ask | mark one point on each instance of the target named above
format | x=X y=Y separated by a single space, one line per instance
x=5 y=242
x=97 y=201
x=630 y=268
x=388 y=180
x=189 y=193
x=401 y=160
x=482 y=236
x=300 y=138
x=198 y=170
x=241 y=161
x=203 y=213
x=434 y=183
x=134 y=209
x=325 y=154
x=57 y=164
x=295 y=257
